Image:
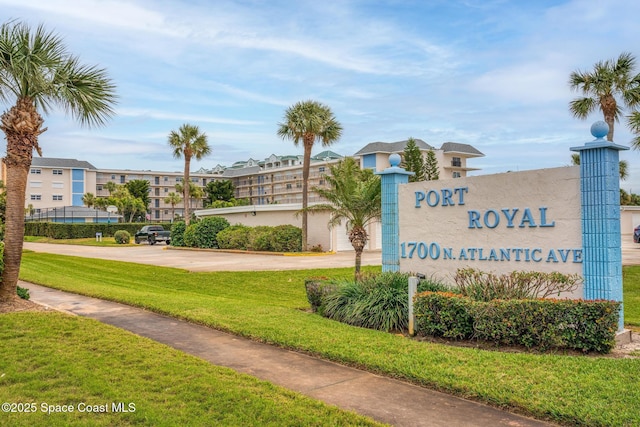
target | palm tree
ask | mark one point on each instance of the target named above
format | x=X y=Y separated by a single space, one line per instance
x=354 y=195
x=308 y=122
x=609 y=84
x=37 y=73
x=111 y=187
x=623 y=166
x=89 y=200
x=172 y=199
x=189 y=143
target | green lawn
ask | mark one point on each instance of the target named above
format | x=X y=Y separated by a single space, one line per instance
x=56 y=362
x=631 y=279
x=270 y=306
x=87 y=241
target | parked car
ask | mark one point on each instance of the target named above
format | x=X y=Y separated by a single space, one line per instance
x=636 y=234
x=152 y=234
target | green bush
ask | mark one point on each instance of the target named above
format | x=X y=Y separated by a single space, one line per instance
x=379 y=301
x=234 y=237
x=576 y=324
x=443 y=314
x=189 y=236
x=202 y=234
x=56 y=230
x=286 y=238
x=122 y=237
x=260 y=238
x=23 y=293
x=282 y=238
x=533 y=323
x=177 y=233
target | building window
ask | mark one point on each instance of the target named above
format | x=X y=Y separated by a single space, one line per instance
x=321 y=169
x=369 y=161
x=456 y=162
x=113 y=177
x=36 y=197
x=57 y=184
x=166 y=178
x=35 y=184
x=178 y=179
x=456 y=175
x=57 y=197
x=298 y=185
x=122 y=179
x=57 y=171
x=99 y=187
x=321 y=182
x=288 y=186
x=36 y=171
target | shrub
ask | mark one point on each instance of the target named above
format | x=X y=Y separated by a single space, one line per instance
x=234 y=237
x=378 y=301
x=177 y=233
x=540 y=323
x=286 y=238
x=122 y=237
x=317 y=289
x=189 y=236
x=202 y=234
x=260 y=238
x=443 y=314
x=481 y=286
x=23 y=293
x=544 y=324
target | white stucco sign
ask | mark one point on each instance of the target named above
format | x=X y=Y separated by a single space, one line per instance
x=528 y=221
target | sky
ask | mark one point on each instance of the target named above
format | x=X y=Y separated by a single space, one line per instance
x=489 y=73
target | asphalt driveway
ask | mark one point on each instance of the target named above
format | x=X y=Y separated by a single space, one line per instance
x=206 y=260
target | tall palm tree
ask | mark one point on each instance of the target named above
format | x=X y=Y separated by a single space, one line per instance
x=188 y=143
x=37 y=73
x=354 y=195
x=307 y=122
x=623 y=166
x=608 y=87
x=173 y=199
x=89 y=200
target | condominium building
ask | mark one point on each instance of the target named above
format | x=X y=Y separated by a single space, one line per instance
x=55 y=183
x=451 y=156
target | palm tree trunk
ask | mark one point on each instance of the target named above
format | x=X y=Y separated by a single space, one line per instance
x=609 y=108
x=306 y=163
x=185 y=190
x=14 y=229
x=358 y=264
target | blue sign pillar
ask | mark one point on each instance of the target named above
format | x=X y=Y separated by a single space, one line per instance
x=600 y=199
x=390 y=179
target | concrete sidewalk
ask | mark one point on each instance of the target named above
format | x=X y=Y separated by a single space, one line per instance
x=384 y=399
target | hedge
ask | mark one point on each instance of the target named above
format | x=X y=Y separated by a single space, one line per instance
x=58 y=230
x=533 y=323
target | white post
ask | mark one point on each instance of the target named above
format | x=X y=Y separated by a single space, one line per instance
x=413 y=289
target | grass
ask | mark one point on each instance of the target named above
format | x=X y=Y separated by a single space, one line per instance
x=88 y=241
x=270 y=307
x=56 y=360
x=631 y=280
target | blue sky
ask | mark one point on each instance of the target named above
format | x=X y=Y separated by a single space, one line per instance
x=492 y=74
